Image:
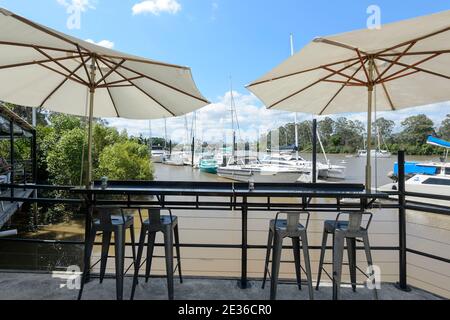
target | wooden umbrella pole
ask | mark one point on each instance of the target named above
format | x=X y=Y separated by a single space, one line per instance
x=369 y=127
x=91 y=120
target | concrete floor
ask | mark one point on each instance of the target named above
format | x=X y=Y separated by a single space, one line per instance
x=32 y=286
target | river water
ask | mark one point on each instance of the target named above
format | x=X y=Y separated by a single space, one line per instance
x=426 y=232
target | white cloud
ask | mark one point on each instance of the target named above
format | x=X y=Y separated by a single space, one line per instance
x=214 y=121
x=81 y=5
x=103 y=43
x=156 y=7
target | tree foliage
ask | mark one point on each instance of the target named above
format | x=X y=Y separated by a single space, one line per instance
x=126 y=160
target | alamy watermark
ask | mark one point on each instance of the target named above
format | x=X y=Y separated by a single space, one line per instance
x=374 y=278
x=70 y=279
x=74 y=8
x=374 y=19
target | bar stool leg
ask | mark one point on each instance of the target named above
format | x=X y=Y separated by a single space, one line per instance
x=297 y=258
x=150 y=250
x=322 y=257
x=168 y=244
x=87 y=260
x=369 y=261
x=133 y=244
x=338 y=250
x=119 y=238
x=106 y=242
x=276 y=259
x=177 y=246
x=266 y=264
x=138 y=261
x=351 y=251
x=305 y=246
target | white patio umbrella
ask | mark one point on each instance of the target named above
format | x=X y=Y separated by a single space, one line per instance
x=408 y=61
x=41 y=67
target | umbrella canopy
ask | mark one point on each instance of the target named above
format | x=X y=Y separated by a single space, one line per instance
x=408 y=62
x=41 y=67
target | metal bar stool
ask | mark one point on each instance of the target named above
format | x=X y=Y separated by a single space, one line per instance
x=350 y=231
x=168 y=225
x=109 y=222
x=290 y=228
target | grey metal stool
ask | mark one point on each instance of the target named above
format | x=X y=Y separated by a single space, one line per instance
x=109 y=223
x=290 y=228
x=350 y=231
x=168 y=225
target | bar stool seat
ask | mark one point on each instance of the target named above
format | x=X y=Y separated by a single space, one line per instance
x=282 y=225
x=288 y=228
x=349 y=231
x=168 y=225
x=118 y=221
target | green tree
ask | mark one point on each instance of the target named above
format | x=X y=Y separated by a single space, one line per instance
x=444 y=130
x=64 y=158
x=416 y=129
x=385 y=127
x=125 y=161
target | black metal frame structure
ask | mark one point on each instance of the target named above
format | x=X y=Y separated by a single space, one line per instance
x=238 y=195
x=16 y=121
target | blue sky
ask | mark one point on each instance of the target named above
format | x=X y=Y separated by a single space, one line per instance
x=220 y=38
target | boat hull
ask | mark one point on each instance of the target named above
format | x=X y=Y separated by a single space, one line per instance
x=258 y=177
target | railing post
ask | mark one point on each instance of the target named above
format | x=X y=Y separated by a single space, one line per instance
x=403 y=280
x=314 y=151
x=12 y=157
x=243 y=283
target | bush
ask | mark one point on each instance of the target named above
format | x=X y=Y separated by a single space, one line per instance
x=125 y=161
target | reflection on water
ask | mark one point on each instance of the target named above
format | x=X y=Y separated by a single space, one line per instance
x=426 y=232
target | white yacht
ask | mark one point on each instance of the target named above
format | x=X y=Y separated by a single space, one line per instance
x=428 y=178
x=288 y=160
x=174 y=159
x=247 y=169
x=374 y=154
x=158 y=154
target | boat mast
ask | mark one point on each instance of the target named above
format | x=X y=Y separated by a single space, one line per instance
x=297 y=156
x=233 y=154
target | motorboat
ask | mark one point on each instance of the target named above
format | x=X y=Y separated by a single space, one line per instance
x=290 y=161
x=378 y=153
x=208 y=164
x=158 y=154
x=425 y=177
x=174 y=159
x=247 y=169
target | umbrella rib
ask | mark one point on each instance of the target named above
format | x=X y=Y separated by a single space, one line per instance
x=57 y=63
x=415 y=40
x=24 y=64
x=109 y=92
x=63 y=74
x=300 y=72
x=345 y=76
x=16 y=44
x=386 y=92
x=393 y=76
x=363 y=63
x=339 y=91
x=157 y=63
x=312 y=84
x=88 y=75
x=59 y=86
x=339 y=44
x=417 y=68
x=118 y=82
x=380 y=76
x=140 y=89
x=104 y=77
x=157 y=81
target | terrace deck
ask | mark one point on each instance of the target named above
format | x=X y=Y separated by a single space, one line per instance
x=21 y=286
